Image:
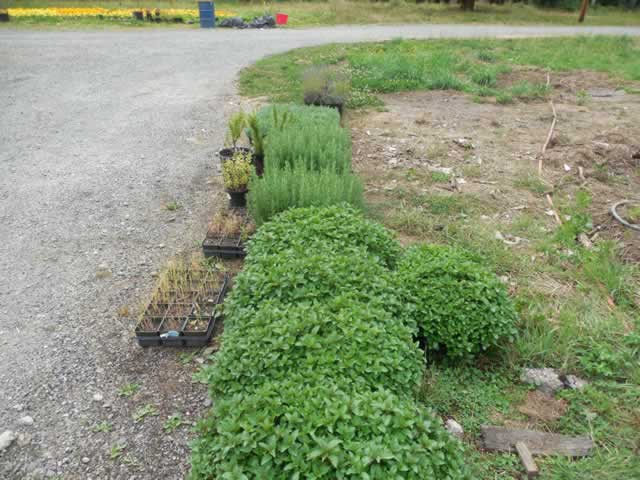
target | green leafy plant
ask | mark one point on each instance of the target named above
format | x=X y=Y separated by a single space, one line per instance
x=172 y=206
x=320 y=431
x=458 y=305
x=355 y=344
x=173 y=423
x=128 y=389
x=236 y=125
x=305 y=229
x=291 y=277
x=237 y=171
x=148 y=410
x=102 y=427
x=116 y=450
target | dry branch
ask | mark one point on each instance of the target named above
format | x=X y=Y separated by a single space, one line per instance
x=551 y=129
x=553 y=208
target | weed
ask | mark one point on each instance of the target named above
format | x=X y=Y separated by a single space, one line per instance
x=102 y=427
x=582 y=97
x=172 y=206
x=186 y=358
x=123 y=311
x=148 y=410
x=440 y=177
x=173 y=423
x=128 y=390
x=533 y=183
x=117 y=450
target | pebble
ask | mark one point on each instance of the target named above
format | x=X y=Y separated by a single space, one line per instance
x=97 y=397
x=18 y=407
x=6 y=439
x=86 y=459
x=454 y=428
x=207 y=402
x=573 y=382
x=24 y=439
x=26 y=420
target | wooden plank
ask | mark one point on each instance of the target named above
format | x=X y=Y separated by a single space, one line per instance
x=539 y=443
x=527 y=460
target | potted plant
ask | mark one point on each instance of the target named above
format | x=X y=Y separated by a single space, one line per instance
x=236 y=173
x=236 y=126
x=326 y=87
x=256 y=137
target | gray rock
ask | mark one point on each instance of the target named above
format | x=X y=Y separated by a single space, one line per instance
x=26 y=420
x=207 y=402
x=546 y=380
x=24 y=439
x=454 y=428
x=6 y=439
x=86 y=459
x=573 y=382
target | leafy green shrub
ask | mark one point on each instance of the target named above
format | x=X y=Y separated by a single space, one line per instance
x=305 y=229
x=321 y=431
x=316 y=276
x=354 y=344
x=281 y=189
x=458 y=304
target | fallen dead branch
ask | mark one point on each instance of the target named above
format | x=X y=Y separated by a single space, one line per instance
x=553 y=208
x=551 y=129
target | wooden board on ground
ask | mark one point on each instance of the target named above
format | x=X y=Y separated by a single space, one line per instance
x=527 y=460
x=538 y=443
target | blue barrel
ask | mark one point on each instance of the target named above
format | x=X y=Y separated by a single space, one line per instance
x=207 y=14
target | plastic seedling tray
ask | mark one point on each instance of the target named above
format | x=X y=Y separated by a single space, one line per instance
x=226 y=246
x=182 y=324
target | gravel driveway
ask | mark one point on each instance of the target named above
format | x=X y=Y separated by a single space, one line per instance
x=98 y=132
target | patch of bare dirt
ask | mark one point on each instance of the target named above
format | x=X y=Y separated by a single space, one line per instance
x=491 y=151
x=543 y=407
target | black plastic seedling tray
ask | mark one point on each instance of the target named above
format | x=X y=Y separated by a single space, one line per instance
x=226 y=246
x=223 y=247
x=202 y=309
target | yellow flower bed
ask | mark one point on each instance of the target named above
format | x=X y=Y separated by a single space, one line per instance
x=105 y=12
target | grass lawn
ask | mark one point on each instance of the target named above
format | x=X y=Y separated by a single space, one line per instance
x=472 y=66
x=337 y=12
x=578 y=308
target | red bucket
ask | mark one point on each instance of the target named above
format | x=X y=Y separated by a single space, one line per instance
x=281 y=18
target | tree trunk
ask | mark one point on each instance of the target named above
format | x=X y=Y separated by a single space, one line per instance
x=583 y=10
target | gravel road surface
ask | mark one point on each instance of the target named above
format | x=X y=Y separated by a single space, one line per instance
x=98 y=132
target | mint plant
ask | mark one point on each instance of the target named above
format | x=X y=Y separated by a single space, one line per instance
x=456 y=304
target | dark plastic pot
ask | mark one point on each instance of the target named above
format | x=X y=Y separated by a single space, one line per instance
x=238 y=199
x=228 y=152
x=4 y=17
x=138 y=14
x=258 y=163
